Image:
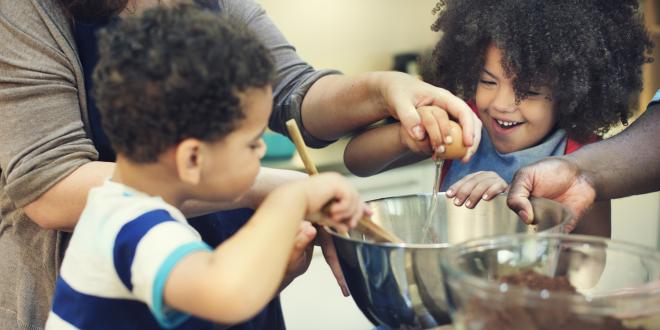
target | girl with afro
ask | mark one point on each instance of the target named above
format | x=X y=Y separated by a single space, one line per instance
x=544 y=77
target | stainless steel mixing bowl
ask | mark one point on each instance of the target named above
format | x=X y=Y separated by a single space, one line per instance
x=400 y=286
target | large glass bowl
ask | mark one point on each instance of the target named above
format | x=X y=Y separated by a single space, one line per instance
x=524 y=282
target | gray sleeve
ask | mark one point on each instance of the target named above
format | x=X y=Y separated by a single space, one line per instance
x=294 y=76
x=41 y=131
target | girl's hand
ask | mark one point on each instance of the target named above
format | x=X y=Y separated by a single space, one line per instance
x=435 y=122
x=421 y=147
x=402 y=94
x=436 y=125
x=475 y=187
x=443 y=136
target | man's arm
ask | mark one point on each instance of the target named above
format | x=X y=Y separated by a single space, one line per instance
x=267 y=180
x=327 y=105
x=628 y=163
x=624 y=165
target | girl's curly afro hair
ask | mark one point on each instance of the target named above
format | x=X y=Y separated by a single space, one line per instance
x=588 y=52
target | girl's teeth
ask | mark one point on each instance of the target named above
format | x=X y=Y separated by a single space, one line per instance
x=506 y=123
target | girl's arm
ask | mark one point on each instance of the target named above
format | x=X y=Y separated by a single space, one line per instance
x=315 y=98
x=380 y=149
x=391 y=146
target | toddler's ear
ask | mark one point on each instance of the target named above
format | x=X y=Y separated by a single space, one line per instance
x=189 y=160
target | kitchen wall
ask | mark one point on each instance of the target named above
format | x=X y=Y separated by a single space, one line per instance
x=354 y=36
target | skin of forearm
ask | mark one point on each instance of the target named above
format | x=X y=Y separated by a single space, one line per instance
x=627 y=163
x=348 y=102
x=60 y=207
x=376 y=150
x=236 y=280
x=596 y=221
x=267 y=180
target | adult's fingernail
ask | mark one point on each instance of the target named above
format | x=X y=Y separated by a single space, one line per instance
x=450 y=193
x=440 y=149
x=418 y=132
x=449 y=139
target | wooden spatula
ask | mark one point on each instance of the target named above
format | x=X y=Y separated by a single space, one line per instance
x=365 y=225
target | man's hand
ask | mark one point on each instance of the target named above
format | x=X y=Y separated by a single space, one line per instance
x=301 y=256
x=330 y=254
x=554 y=178
x=403 y=94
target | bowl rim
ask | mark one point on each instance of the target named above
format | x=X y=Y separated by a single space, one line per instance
x=535 y=296
x=567 y=215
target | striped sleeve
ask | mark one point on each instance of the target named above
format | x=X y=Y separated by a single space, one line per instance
x=656 y=97
x=145 y=251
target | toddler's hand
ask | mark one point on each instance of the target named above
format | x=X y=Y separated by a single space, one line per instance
x=475 y=187
x=343 y=200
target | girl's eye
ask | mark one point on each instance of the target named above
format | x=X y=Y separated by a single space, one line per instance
x=532 y=93
x=487 y=82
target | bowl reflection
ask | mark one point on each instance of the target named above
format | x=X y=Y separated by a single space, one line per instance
x=400 y=286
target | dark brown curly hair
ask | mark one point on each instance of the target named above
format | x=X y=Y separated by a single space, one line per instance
x=172 y=74
x=588 y=52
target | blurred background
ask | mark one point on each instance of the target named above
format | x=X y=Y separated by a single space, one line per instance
x=368 y=35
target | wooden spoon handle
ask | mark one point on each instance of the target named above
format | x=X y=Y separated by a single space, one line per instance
x=365 y=225
x=297 y=138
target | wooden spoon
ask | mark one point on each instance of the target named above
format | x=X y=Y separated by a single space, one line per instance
x=365 y=225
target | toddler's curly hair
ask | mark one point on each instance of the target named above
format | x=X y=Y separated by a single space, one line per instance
x=589 y=53
x=175 y=73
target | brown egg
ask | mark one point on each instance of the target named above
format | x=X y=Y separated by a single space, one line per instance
x=455 y=150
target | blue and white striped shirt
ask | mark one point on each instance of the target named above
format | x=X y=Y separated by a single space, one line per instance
x=656 y=97
x=123 y=248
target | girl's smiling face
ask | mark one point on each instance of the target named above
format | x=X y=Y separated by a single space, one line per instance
x=511 y=127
